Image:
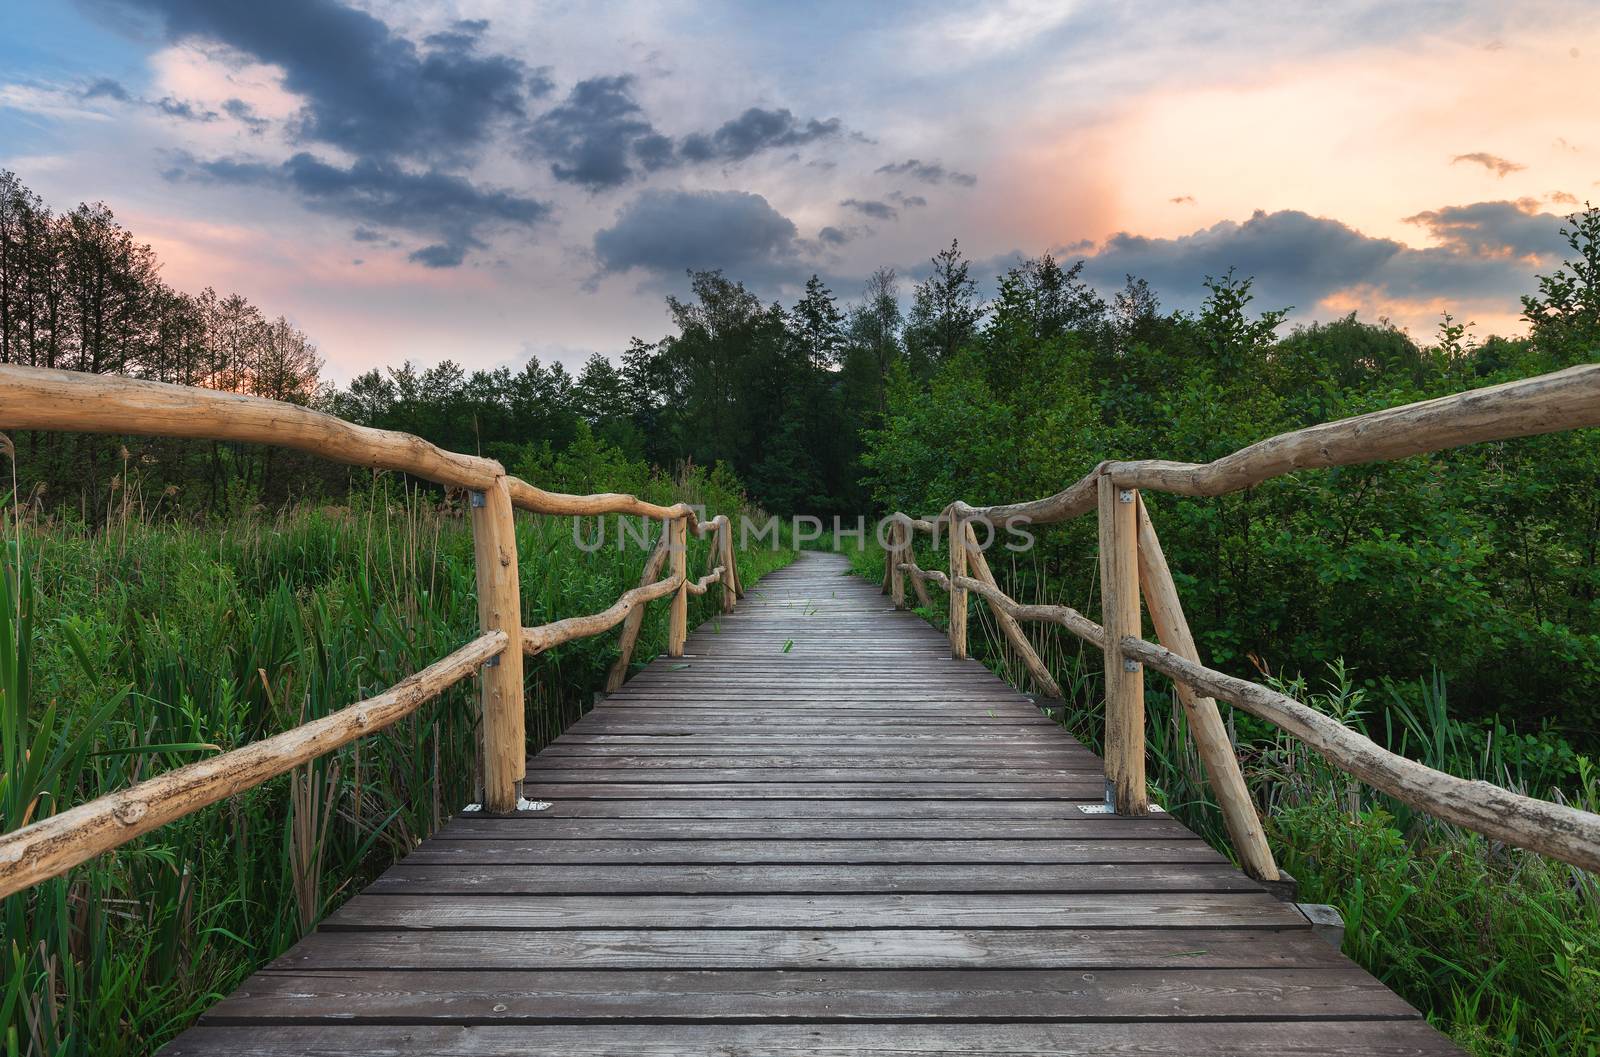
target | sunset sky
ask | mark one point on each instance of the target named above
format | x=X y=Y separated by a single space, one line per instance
x=489 y=179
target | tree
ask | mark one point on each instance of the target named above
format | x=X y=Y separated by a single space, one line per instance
x=944 y=311
x=1565 y=313
x=818 y=325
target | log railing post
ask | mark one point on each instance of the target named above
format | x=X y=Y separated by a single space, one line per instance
x=899 y=547
x=678 y=555
x=958 y=595
x=1205 y=722
x=504 y=743
x=1008 y=624
x=730 y=574
x=1119 y=600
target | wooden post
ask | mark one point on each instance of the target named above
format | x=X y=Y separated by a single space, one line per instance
x=958 y=595
x=1119 y=599
x=1205 y=722
x=635 y=619
x=899 y=546
x=730 y=573
x=1008 y=624
x=503 y=726
x=678 y=554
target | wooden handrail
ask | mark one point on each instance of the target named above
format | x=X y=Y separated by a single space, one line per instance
x=39 y=398
x=525 y=496
x=47 y=399
x=1548 y=403
x=1556 y=830
x=54 y=845
x=547 y=636
x=1562 y=400
x=702 y=585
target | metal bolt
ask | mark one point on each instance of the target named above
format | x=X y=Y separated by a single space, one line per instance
x=1125 y=496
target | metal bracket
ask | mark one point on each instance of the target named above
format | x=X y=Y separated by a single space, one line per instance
x=1129 y=664
x=479 y=499
x=1125 y=495
x=492 y=662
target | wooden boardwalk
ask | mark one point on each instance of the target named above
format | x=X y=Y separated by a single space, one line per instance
x=815 y=835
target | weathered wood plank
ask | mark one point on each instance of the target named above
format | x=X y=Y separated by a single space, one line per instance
x=998 y=910
x=484 y=852
x=545 y=826
x=410 y=878
x=846 y=995
x=1072 y=789
x=869 y=948
x=1304 y=1039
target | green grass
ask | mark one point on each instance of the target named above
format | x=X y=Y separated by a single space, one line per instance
x=1500 y=948
x=135 y=647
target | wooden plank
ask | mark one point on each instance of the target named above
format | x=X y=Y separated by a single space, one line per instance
x=722 y=772
x=812 y=851
x=975 y=790
x=411 y=878
x=869 y=948
x=847 y=995
x=997 y=910
x=549 y=827
x=865 y=808
x=1346 y=1038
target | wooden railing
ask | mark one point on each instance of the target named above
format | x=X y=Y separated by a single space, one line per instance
x=1132 y=563
x=35 y=398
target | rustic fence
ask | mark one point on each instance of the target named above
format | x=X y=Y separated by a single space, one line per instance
x=36 y=398
x=1132 y=563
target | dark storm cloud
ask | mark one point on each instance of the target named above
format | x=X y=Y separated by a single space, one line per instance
x=600 y=136
x=1299 y=260
x=380 y=98
x=1495 y=228
x=871 y=208
x=367 y=90
x=928 y=172
x=754 y=131
x=434 y=204
x=666 y=232
x=1493 y=162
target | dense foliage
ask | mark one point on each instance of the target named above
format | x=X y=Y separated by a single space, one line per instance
x=1479 y=561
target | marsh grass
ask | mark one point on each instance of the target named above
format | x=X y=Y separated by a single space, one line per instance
x=1499 y=947
x=140 y=643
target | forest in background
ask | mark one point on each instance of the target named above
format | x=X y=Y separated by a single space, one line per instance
x=1482 y=561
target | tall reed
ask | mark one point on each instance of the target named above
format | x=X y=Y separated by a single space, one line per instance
x=143 y=641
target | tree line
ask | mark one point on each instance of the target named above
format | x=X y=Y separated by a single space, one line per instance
x=78 y=292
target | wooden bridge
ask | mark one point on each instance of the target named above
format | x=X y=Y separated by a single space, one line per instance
x=851 y=844
x=815 y=827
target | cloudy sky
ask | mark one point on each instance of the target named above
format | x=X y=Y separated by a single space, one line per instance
x=489 y=179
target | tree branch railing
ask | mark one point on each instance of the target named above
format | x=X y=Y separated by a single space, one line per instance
x=1133 y=566
x=38 y=398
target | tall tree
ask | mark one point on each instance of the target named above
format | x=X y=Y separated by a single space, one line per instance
x=945 y=311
